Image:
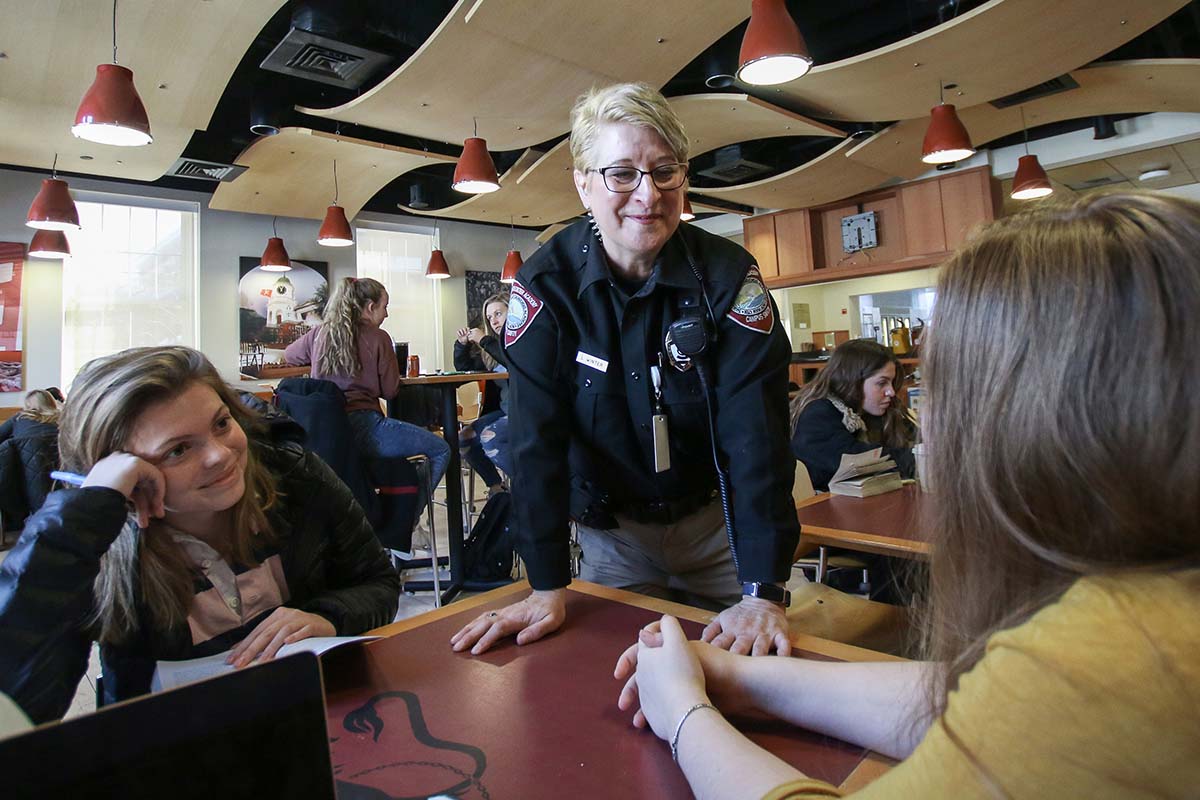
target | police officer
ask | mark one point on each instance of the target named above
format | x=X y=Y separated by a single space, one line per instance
x=609 y=414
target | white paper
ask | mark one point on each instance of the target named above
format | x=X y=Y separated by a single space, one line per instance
x=169 y=674
x=854 y=465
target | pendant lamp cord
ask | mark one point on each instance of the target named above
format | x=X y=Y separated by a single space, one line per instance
x=54 y=167
x=941 y=93
x=114 y=31
x=274 y=232
x=1024 y=128
x=475 y=124
x=513 y=231
x=335 y=186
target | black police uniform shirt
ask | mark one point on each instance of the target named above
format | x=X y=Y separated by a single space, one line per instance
x=580 y=347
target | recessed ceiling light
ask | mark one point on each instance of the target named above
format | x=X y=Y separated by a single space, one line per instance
x=85 y=158
x=1154 y=174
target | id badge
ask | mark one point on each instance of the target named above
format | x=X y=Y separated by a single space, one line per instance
x=662 y=444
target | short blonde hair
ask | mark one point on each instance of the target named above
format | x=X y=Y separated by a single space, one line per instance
x=629 y=103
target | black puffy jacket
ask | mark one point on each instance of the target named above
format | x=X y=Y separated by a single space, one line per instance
x=28 y=452
x=331 y=560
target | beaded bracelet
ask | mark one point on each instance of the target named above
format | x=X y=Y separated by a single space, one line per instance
x=679 y=727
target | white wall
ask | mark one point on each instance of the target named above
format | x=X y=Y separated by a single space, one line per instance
x=224 y=238
x=826 y=301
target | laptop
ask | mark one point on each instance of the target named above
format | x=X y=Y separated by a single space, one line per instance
x=254 y=733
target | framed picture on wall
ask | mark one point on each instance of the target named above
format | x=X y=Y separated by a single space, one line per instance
x=276 y=309
x=12 y=355
x=480 y=286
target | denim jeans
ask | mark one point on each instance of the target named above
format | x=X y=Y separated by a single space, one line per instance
x=472 y=451
x=494 y=439
x=378 y=436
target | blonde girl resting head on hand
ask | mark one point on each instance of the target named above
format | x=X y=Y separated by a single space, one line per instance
x=192 y=534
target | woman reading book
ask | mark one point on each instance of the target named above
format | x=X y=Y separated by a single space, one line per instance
x=852 y=406
x=1060 y=624
x=193 y=533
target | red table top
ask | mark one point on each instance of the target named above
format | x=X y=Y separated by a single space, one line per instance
x=410 y=718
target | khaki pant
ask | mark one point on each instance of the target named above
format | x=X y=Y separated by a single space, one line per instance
x=687 y=561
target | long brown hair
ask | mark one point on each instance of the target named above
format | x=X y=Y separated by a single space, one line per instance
x=337 y=345
x=1062 y=417
x=144 y=568
x=501 y=298
x=843 y=376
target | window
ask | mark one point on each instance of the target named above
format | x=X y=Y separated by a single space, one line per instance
x=129 y=282
x=398 y=261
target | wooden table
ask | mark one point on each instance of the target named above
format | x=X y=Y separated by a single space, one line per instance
x=448 y=384
x=886 y=524
x=408 y=717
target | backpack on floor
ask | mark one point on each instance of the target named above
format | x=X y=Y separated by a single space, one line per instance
x=489 y=548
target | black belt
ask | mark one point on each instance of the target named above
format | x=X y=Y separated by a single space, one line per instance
x=665 y=512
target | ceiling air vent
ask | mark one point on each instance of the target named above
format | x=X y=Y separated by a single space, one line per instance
x=313 y=57
x=1095 y=183
x=730 y=167
x=1063 y=83
x=204 y=170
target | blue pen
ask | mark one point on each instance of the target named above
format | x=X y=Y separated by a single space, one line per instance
x=72 y=478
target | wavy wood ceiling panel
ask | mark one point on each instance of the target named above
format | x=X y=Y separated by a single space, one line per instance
x=827 y=177
x=291 y=173
x=182 y=54
x=537 y=190
x=517 y=66
x=992 y=51
x=544 y=192
x=1113 y=87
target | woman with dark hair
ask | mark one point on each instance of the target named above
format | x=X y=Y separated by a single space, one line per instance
x=474 y=350
x=351 y=349
x=1060 y=627
x=852 y=406
x=192 y=534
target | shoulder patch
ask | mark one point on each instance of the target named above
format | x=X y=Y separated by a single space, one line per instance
x=523 y=307
x=752 y=306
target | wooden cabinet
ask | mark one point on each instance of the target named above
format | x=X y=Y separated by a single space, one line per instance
x=760 y=240
x=793 y=244
x=917 y=224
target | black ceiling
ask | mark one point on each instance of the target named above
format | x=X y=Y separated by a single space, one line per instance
x=833 y=31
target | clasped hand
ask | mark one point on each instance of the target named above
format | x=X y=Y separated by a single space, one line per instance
x=665 y=675
x=469 y=335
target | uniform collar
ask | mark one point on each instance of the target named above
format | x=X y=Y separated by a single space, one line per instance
x=670 y=268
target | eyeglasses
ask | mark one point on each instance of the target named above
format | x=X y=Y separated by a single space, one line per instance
x=623 y=180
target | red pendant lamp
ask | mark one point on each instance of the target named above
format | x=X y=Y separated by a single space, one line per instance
x=53 y=209
x=513 y=261
x=687 y=215
x=335 y=230
x=946 y=139
x=475 y=172
x=773 y=51
x=111 y=112
x=438 y=269
x=275 y=257
x=1031 y=181
x=49 y=244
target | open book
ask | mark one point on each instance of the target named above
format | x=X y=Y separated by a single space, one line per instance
x=170 y=674
x=865 y=474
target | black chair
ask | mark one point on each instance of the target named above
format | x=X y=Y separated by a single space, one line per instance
x=388 y=489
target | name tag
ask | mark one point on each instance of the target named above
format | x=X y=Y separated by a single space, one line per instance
x=595 y=363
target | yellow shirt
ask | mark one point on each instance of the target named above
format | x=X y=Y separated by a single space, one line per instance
x=1095 y=696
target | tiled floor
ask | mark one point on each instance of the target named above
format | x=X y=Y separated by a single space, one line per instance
x=410 y=605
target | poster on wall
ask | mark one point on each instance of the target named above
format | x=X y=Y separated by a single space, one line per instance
x=276 y=309
x=12 y=357
x=480 y=286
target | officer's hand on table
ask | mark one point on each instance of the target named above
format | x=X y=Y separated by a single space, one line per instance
x=752 y=626
x=531 y=619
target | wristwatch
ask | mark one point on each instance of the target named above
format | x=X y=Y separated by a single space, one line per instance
x=768 y=591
